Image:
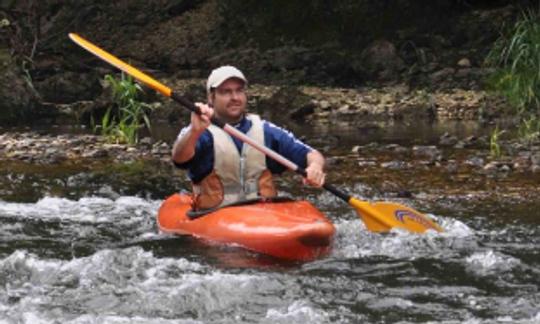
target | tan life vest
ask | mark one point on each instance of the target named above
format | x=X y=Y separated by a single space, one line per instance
x=235 y=176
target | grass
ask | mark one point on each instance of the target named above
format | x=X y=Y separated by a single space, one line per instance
x=494 y=142
x=516 y=54
x=122 y=122
x=516 y=57
x=529 y=130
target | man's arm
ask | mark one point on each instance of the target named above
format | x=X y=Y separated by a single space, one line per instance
x=286 y=144
x=184 y=146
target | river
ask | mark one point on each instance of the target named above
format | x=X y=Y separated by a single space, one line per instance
x=76 y=247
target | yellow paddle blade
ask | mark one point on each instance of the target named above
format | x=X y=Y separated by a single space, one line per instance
x=383 y=216
x=111 y=59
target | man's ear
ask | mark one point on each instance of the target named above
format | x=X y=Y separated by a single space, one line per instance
x=210 y=98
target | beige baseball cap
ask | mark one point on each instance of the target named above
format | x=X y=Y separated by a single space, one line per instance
x=219 y=75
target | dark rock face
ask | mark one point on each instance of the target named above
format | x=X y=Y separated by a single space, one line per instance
x=351 y=44
x=68 y=87
x=18 y=100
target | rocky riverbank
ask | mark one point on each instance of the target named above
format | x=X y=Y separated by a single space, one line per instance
x=453 y=165
x=44 y=149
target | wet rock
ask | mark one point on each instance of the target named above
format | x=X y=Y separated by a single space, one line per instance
x=491 y=167
x=344 y=109
x=397 y=148
x=161 y=149
x=470 y=141
x=324 y=105
x=447 y=140
x=452 y=166
x=54 y=156
x=522 y=163
x=334 y=160
x=535 y=159
x=366 y=163
x=390 y=186
x=95 y=153
x=464 y=63
x=497 y=167
x=146 y=142
x=475 y=161
x=431 y=152
x=394 y=165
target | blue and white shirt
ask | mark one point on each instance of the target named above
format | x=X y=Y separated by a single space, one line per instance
x=275 y=138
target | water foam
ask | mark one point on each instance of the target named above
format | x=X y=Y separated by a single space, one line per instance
x=85 y=210
x=353 y=240
x=299 y=311
x=489 y=262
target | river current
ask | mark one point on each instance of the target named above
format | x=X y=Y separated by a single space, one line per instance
x=102 y=260
x=96 y=256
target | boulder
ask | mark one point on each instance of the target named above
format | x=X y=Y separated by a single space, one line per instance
x=380 y=60
x=287 y=103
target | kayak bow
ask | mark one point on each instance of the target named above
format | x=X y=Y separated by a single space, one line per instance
x=292 y=230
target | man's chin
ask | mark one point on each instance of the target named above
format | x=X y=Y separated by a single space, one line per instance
x=236 y=112
x=233 y=116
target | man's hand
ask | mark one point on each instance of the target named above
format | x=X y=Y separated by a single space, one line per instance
x=315 y=175
x=200 y=122
x=184 y=146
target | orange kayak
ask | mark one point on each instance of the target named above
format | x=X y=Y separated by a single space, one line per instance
x=293 y=230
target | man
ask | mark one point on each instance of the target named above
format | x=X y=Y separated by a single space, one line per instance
x=222 y=169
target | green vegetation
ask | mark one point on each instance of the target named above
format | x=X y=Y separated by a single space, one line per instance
x=122 y=122
x=529 y=130
x=494 y=142
x=516 y=55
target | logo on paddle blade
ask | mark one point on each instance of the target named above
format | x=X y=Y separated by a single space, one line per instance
x=401 y=215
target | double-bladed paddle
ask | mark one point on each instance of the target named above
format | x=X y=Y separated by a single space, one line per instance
x=378 y=216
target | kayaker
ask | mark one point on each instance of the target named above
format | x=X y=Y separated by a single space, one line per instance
x=222 y=169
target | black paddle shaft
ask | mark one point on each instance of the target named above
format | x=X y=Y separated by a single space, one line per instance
x=329 y=187
x=191 y=106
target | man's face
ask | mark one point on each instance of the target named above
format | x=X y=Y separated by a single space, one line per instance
x=229 y=100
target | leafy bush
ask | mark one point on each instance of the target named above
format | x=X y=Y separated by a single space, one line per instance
x=516 y=54
x=121 y=123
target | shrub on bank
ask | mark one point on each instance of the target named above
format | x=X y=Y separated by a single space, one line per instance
x=122 y=122
x=516 y=56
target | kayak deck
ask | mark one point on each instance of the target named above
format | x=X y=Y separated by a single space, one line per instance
x=293 y=230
